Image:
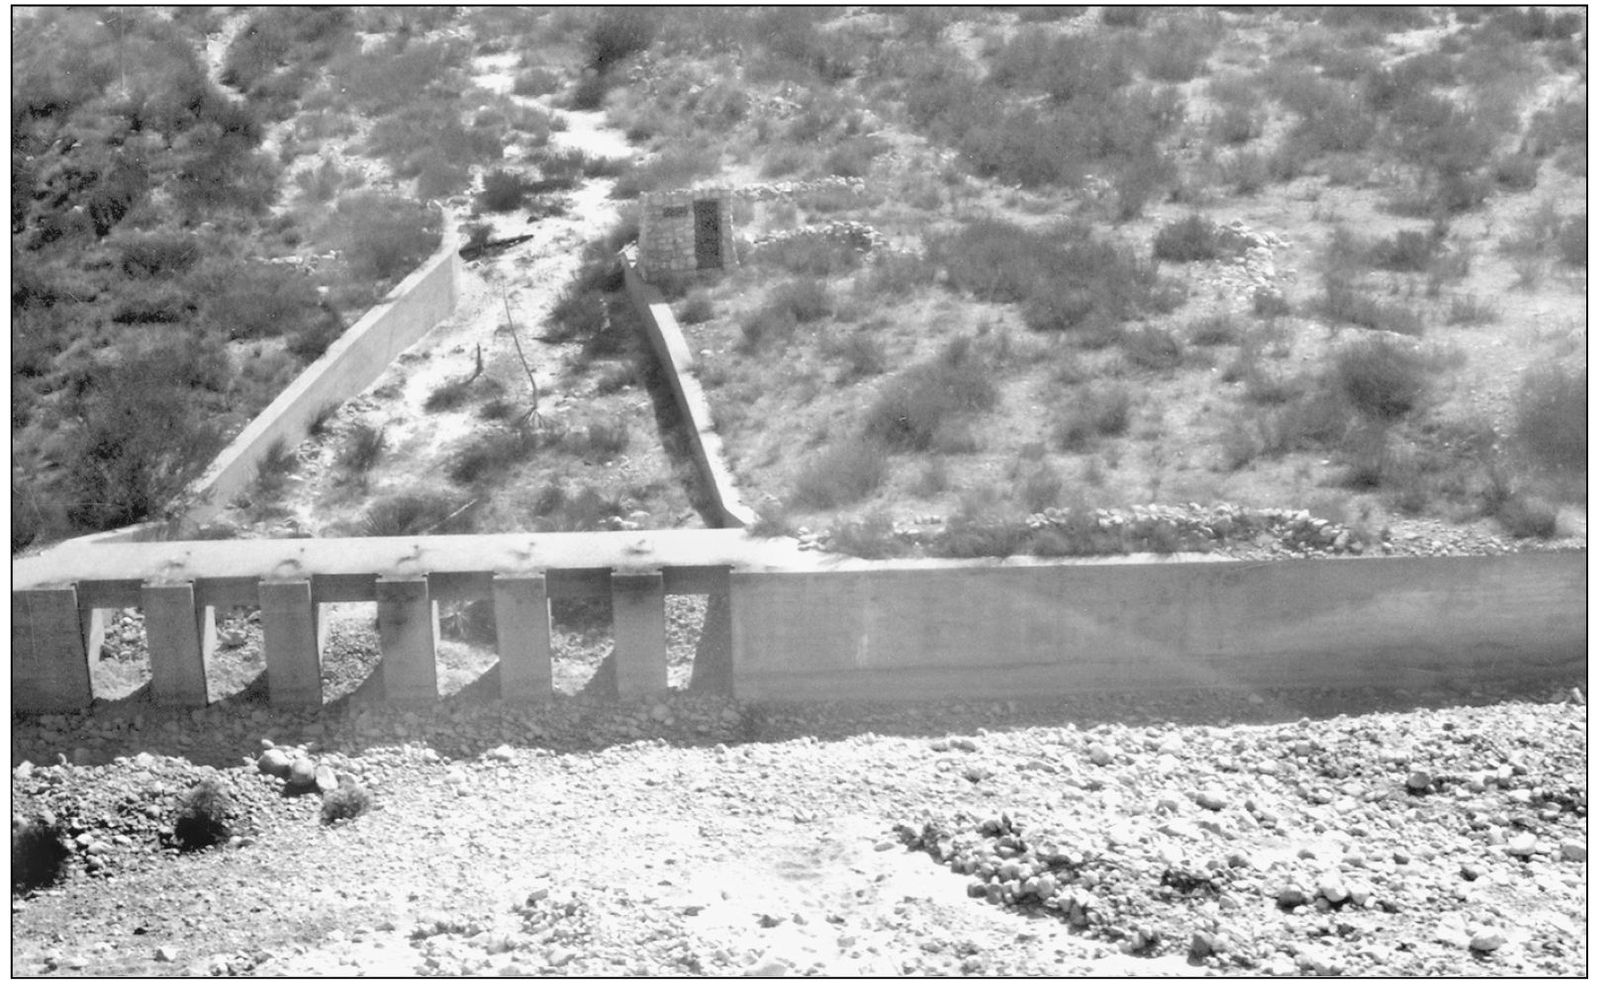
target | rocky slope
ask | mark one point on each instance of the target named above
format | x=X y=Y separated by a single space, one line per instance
x=1221 y=832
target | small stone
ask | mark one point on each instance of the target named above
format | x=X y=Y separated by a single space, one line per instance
x=1292 y=896
x=1099 y=756
x=1333 y=888
x=1522 y=844
x=1418 y=782
x=274 y=761
x=1487 y=939
x=661 y=713
x=325 y=778
x=166 y=954
x=1470 y=872
x=1201 y=944
x=504 y=753
x=1572 y=850
x=302 y=772
x=1213 y=800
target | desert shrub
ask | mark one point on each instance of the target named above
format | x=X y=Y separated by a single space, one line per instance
x=1382 y=379
x=204 y=816
x=1194 y=238
x=1560 y=124
x=363 y=448
x=39 y=852
x=1573 y=240
x=502 y=191
x=1268 y=303
x=348 y=801
x=1214 y=330
x=451 y=395
x=1528 y=516
x=863 y=354
x=1516 y=172
x=870 y=537
x=1152 y=347
x=1063 y=276
x=1122 y=17
x=160 y=253
x=853 y=157
x=139 y=433
x=1319 y=418
x=319 y=424
x=598 y=441
x=843 y=473
x=1467 y=310
x=806 y=300
x=1040 y=489
x=1535 y=23
x=251 y=300
x=813 y=256
x=1241 y=445
x=695 y=309
x=384 y=79
x=674 y=167
x=411 y=513
x=910 y=411
x=274 y=468
x=489 y=455
x=385 y=236
x=618 y=33
x=1551 y=420
x=1103 y=410
x=1407 y=251
x=1341 y=303
x=536 y=81
x=319 y=183
x=1245 y=172
x=1178 y=51
x=1236 y=125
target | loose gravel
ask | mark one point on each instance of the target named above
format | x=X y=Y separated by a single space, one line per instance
x=1211 y=832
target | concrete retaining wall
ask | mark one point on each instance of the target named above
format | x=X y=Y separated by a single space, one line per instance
x=670 y=345
x=350 y=365
x=935 y=630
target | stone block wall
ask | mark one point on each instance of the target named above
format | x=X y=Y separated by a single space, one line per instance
x=668 y=242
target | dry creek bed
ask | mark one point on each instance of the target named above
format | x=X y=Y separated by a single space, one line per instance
x=1212 y=832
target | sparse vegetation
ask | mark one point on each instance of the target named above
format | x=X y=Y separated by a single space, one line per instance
x=1551 y=426
x=39 y=852
x=204 y=817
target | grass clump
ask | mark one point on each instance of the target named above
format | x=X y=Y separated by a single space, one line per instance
x=348 y=801
x=501 y=191
x=1195 y=238
x=204 y=816
x=870 y=537
x=412 y=513
x=1102 y=410
x=1065 y=278
x=39 y=852
x=1383 y=380
x=386 y=236
x=364 y=446
x=912 y=409
x=274 y=468
x=843 y=473
x=1551 y=418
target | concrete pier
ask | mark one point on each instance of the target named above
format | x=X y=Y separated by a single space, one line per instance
x=407 y=634
x=181 y=637
x=641 y=660
x=49 y=669
x=524 y=636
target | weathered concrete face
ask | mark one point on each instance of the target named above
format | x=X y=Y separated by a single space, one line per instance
x=1013 y=631
x=686 y=230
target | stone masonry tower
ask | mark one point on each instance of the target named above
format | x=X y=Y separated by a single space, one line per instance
x=686 y=230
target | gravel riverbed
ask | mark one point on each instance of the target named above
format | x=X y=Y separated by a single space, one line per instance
x=1221 y=832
